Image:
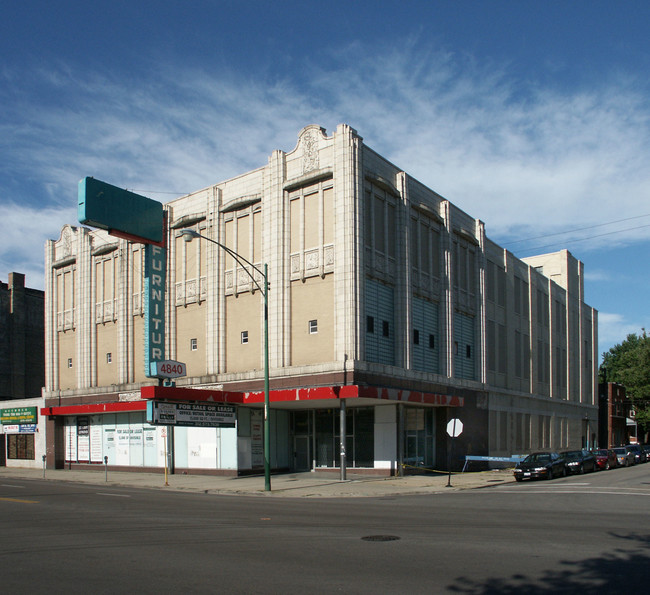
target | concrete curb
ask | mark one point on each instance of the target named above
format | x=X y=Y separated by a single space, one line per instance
x=290 y=485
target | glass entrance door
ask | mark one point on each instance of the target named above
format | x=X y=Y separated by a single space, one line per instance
x=420 y=438
x=301 y=458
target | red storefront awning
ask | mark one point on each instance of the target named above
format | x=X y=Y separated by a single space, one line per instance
x=283 y=396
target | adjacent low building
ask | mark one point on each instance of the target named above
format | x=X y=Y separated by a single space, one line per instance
x=390 y=313
x=22 y=373
x=22 y=433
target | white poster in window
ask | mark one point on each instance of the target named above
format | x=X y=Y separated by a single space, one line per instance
x=83 y=439
x=71 y=440
x=96 y=451
x=122 y=452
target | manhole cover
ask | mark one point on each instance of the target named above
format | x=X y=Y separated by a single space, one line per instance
x=380 y=538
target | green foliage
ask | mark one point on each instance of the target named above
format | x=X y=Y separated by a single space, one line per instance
x=629 y=364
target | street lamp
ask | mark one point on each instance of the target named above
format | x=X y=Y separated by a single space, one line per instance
x=188 y=235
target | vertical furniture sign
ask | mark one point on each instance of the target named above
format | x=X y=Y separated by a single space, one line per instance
x=155 y=279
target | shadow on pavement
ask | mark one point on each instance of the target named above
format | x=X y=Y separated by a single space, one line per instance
x=622 y=571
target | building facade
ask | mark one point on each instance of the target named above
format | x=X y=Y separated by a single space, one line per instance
x=22 y=372
x=613 y=414
x=389 y=310
x=22 y=342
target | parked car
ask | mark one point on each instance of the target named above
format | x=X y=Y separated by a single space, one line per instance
x=538 y=465
x=624 y=457
x=639 y=454
x=646 y=450
x=578 y=461
x=605 y=458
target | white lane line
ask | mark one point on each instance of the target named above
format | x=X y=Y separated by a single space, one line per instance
x=9 y=485
x=552 y=491
x=116 y=495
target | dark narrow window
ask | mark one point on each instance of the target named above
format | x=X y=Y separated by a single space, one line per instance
x=384 y=328
x=432 y=341
x=468 y=351
x=416 y=337
x=370 y=324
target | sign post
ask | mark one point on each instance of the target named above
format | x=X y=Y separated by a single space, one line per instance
x=454 y=429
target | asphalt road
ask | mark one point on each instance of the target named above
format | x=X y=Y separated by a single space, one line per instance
x=587 y=534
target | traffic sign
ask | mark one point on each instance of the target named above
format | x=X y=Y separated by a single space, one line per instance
x=455 y=427
x=114 y=209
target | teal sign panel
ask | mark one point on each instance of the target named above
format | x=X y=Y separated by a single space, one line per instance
x=155 y=278
x=115 y=209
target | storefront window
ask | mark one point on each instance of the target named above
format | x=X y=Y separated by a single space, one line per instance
x=20 y=446
x=325 y=438
x=359 y=442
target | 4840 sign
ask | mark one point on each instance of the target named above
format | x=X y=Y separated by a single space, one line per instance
x=168 y=369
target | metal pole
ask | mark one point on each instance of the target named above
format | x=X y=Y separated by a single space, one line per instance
x=189 y=234
x=267 y=434
x=343 y=433
x=451 y=455
x=400 y=440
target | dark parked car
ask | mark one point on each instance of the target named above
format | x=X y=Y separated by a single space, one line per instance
x=646 y=450
x=579 y=461
x=639 y=454
x=605 y=458
x=624 y=457
x=545 y=465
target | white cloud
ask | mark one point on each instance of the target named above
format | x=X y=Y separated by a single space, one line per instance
x=613 y=328
x=525 y=160
x=22 y=242
x=596 y=275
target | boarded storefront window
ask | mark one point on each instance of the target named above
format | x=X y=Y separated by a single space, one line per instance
x=20 y=446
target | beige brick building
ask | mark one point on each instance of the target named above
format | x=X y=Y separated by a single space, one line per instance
x=385 y=300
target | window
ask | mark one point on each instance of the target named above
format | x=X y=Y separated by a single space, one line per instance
x=194 y=344
x=379 y=309
x=425 y=324
x=69 y=362
x=464 y=360
x=20 y=446
x=313 y=327
x=244 y=337
x=109 y=357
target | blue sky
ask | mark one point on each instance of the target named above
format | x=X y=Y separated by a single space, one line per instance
x=532 y=116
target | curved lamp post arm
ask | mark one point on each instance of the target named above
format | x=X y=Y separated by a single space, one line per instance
x=188 y=235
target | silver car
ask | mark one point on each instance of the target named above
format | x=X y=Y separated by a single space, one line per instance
x=624 y=457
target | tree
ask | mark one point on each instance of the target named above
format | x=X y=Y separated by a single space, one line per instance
x=629 y=364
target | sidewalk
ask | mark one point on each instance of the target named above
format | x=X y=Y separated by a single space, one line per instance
x=292 y=485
